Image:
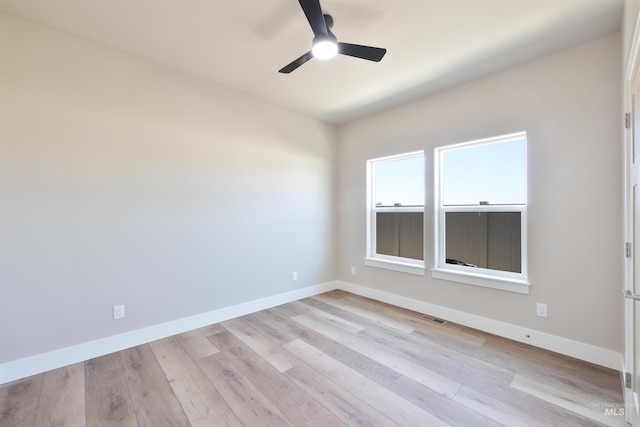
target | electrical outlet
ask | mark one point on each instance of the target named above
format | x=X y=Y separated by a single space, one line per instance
x=541 y=310
x=295 y=276
x=353 y=271
x=118 y=312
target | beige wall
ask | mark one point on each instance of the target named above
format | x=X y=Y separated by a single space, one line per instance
x=570 y=105
x=122 y=182
x=631 y=9
x=126 y=183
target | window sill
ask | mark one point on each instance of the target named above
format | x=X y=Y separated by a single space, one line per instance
x=501 y=283
x=403 y=267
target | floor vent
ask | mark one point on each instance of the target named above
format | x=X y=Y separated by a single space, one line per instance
x=434 y=319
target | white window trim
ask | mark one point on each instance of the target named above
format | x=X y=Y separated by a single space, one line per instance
x=503 y=280
x=395 y=264
x=373 y=259
x=487 y=281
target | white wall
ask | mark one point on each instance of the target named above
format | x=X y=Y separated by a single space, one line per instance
x=570 y=105
x=126 y=183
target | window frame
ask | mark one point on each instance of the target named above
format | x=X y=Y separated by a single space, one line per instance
x=497 y=279
x=389 y=262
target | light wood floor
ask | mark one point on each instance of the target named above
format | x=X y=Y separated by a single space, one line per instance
x=332 y=360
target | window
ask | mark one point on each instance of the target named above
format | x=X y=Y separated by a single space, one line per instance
x=395 y=213
x=481 y=211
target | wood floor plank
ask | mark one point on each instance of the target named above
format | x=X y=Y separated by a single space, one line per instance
x=19 y=401
x=375 y=371
x=337 y=321
x=446 y=409
x=197 y=344
x=153 y=399
x=211 y=329
x=293 y=308
x=449 y=335
x=270 y=324
x=578 y=403
x=548 y=412
x=397 y=408
x=521 y=357
x=345 y=405
x=413 y=322
x=497 y=410
x=249 y=404
x=446 y=332
x=579 y=390
x=201 y=402
x=298 y=406
x=62 y=402
x=397 y=314
x=383 y=355
x=443 y=360
x=259 y=343
x=108 y=401
x=459 y=367
x=370 y=312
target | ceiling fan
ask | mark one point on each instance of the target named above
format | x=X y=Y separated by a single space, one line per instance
x=325 y=45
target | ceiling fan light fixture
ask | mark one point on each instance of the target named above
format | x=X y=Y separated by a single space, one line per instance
x=324 y=49
x=325 y=44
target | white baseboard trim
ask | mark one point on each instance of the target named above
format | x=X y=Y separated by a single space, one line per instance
x=22 y=368
x=579 y=350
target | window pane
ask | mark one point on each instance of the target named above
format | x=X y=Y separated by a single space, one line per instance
x=493 y=173
x=484 y=239
x=400 y=182
x=400 y=234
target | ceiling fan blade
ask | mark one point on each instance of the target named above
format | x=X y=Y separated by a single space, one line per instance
x=296 y=63
x=313 y=12
x=365 y=52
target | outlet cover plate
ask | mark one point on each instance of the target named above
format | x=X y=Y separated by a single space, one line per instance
x=541 y=310
x=118 y=312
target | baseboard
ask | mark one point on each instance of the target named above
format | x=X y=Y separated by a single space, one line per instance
x=22 y=368
x=587 y=352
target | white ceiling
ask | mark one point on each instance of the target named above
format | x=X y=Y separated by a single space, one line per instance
x=241 y=44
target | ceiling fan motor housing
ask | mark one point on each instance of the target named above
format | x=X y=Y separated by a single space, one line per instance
x=325 y=44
